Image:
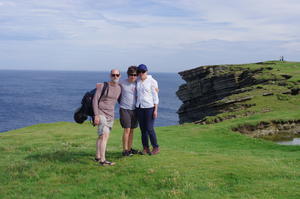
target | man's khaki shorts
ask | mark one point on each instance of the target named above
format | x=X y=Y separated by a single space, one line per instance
x=105 y=126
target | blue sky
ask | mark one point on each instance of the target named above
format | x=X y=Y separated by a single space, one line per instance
x=168 y=36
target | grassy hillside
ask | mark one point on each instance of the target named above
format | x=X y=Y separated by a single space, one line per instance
x=196 y=161
x=278 y=94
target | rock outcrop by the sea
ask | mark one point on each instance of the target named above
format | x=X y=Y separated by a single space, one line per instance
x=208 y=90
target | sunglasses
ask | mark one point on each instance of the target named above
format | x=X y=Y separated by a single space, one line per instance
x=132 y=75
x=115 y=75
x=141 y=71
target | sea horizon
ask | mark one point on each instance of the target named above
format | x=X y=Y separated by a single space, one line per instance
x=101 y=71
x=29 y=97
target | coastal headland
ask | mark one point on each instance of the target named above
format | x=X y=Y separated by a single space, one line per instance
x=203 y=158
x=216 y=93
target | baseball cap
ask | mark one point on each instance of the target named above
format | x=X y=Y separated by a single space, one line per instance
x=142 y=67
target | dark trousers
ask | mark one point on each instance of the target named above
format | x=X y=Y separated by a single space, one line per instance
x=146 y=121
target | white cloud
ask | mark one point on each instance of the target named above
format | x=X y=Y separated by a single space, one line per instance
x=142 y=29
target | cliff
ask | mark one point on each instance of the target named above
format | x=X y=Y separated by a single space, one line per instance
x=219 y=92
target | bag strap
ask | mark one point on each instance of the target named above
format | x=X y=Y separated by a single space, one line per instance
x=105 y=88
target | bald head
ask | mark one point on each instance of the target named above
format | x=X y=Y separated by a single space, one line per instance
x=114 y=71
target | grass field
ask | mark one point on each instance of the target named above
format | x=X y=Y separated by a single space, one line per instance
x=196 y=161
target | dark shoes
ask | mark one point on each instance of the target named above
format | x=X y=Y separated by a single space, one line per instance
x=130 y=152
x=145 y=151
x=155 y=151
x=127 y=153
x=133 y=151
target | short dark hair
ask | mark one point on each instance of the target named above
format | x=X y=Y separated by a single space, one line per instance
x=131 y=70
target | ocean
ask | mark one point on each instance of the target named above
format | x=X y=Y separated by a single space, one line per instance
x=33 y=97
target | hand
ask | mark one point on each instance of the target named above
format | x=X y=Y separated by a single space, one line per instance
x=96 y=120
x=98 y=85
x=155 y=114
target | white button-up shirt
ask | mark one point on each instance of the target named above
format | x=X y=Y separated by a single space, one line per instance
x=147 y=92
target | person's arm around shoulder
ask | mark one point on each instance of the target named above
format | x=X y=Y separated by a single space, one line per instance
x=120 y=94
x=95 y=103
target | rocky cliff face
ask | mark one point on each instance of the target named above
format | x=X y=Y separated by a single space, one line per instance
x=208 y=90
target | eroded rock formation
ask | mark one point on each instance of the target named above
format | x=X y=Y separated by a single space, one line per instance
x=208 y=89
x=206 y=85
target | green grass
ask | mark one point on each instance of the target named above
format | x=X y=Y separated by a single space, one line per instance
x=196 y=161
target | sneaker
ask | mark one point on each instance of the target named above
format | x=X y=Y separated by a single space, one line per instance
x=126 y=153
x=134 y=151
x=155 y=151
x=145 y=151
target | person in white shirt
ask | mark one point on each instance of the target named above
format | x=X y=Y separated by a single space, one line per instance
x=146 y=108
x=128 y=117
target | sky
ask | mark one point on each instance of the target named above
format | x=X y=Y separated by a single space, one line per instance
x=166 y=35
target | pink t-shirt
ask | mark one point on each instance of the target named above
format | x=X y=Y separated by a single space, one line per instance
x=108 y=101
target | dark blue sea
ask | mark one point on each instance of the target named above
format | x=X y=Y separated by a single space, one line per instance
x=33 y=97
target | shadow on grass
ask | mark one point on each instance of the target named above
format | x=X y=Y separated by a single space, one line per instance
x=71 y=157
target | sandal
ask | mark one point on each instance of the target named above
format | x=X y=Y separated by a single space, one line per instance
x=107 y=163
x=97 y=159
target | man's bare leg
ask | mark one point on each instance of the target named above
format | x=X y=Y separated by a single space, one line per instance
x=102 y=148
x=98 y=147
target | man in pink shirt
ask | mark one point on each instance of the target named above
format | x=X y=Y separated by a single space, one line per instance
x=104 y=114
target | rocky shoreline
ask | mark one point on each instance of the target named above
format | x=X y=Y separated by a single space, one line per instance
x=273 y=130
